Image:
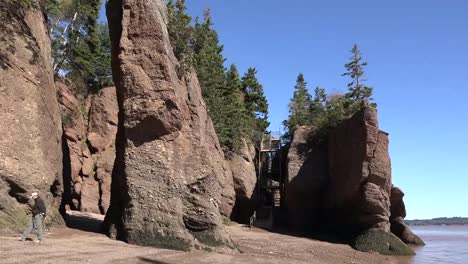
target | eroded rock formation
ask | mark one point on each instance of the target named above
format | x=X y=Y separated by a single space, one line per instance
x=398 y=214
x=30 y=142
x=170 y=180
x=307 y=171
x=90 y=126
x=345 y=185
x=360 y=173
x=245 y=179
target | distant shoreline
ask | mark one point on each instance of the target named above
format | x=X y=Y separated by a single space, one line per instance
x=438 y=221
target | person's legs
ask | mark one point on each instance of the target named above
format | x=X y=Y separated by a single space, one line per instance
x=28 y=230
x=38 y=226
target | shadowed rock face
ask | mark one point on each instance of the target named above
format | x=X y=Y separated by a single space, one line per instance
x=90 y=126
x=358 y=193
x=307 y=172
x=30 y=142
x=245 y=179
x=345 y=186
x=170 y=181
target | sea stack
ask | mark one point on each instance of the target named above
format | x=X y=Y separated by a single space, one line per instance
x=170 y=182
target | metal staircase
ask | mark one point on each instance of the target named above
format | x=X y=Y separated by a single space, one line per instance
x=269 y=181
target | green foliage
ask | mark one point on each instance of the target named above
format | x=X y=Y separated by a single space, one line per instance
x=237 y=107
x=90 y=60
x=180 y=31
x=359 y=95
x=230 y=128
x=299 y=106
x=325 y=112
x=209 y=64
x=25 y=3
x=256 y=105
x=80 y=45
x=377 y=240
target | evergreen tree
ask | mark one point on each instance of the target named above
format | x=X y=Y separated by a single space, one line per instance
x=80 y=45
x=317 y=108
x=209 y=64
x=231 y=130
x=180 y=31
x=359 y=95
x=236 y=107
x=256 y=104
x=299 y=106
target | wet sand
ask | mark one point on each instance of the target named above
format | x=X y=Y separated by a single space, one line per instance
x=67 y=245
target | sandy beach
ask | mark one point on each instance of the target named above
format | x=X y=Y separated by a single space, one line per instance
x=67 y=245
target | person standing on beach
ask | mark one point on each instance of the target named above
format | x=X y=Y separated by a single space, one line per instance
x=38 y=211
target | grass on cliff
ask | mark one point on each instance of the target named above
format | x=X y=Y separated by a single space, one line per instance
x=385 y=243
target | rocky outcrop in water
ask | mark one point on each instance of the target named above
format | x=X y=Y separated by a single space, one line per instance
x=344 y=184
x=90 y=126
x=360 y=174
x=398 y=214
x=30 y=142
x=170 y=180
x=245 y=179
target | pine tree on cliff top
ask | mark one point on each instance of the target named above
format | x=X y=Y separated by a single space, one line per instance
x=299 y=106
x=358 y=95
x=317 y=107
x=199 y=46
x=256 y=104
x=180 y=31
x=209 y=64
x=232 y=127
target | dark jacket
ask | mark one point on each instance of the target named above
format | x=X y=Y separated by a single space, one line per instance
x=38 y=207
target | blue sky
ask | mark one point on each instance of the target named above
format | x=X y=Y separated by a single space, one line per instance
x=418 y=65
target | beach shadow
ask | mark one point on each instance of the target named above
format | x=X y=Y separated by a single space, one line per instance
x=84 y=221
x=152 y=261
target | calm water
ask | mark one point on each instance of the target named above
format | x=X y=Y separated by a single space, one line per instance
x=444 y=244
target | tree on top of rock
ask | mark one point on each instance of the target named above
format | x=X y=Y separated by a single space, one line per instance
x=209 y=64
x=299 y=106
x=180 y=31
x=256 y=103
x=231 y=130
x=359 y=95
x=318 y=104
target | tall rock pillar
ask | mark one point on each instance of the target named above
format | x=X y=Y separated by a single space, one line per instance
x=170 y=179
x=30 y=141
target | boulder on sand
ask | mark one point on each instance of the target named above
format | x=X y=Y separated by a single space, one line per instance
x=398 y=213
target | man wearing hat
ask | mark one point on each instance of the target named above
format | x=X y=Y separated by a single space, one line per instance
x=38 y=211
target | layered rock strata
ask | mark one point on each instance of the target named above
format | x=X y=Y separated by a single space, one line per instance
x=245 y=180
x=30 y=145
x=90 y=127
x=170 y=182
x=344 y=185
x=358 y=191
